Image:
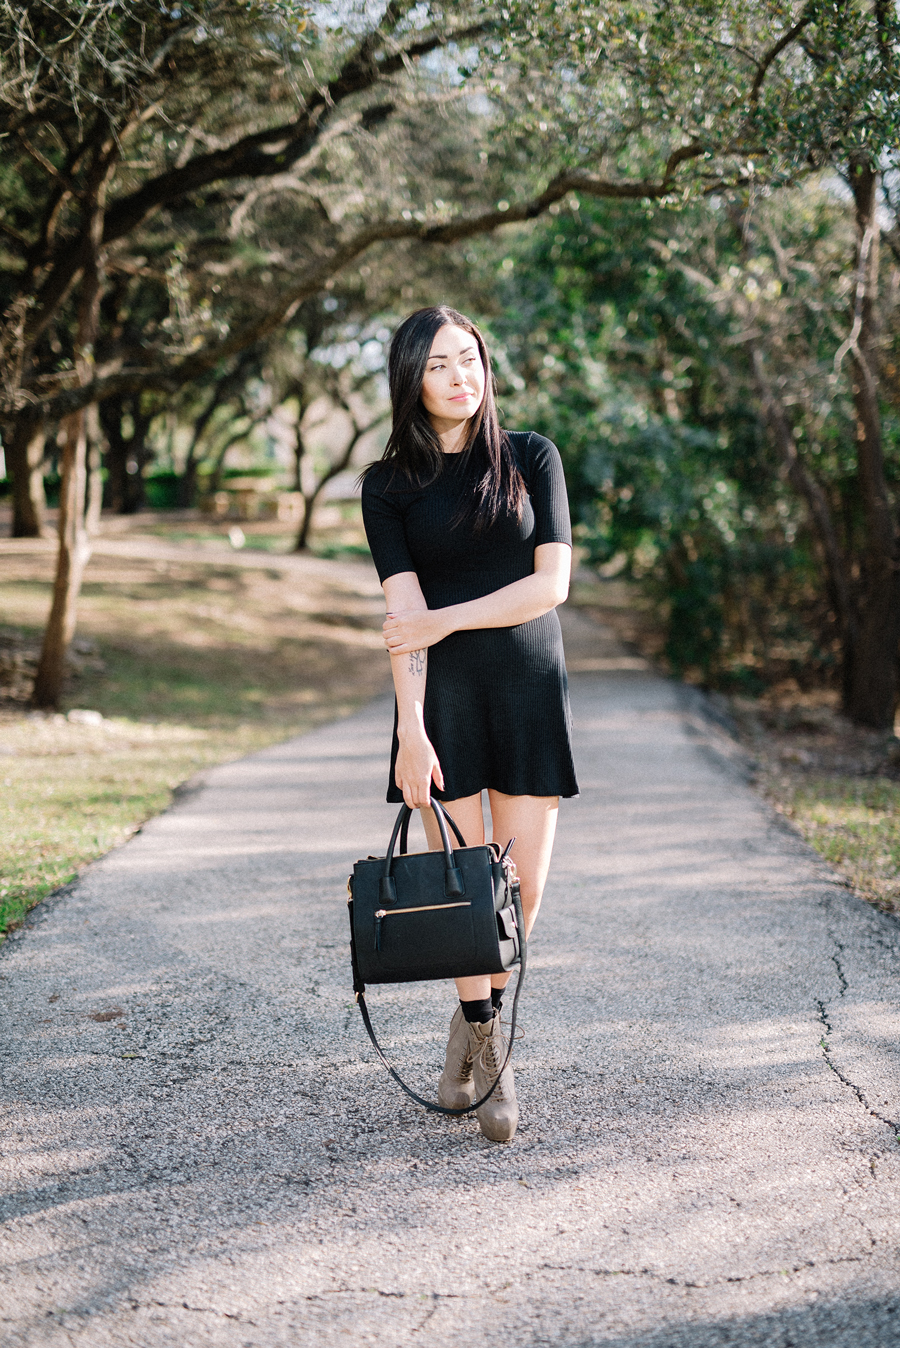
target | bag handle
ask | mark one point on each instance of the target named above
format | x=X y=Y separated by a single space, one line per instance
x=404 y=827
x=360 y=989
x=454 y=884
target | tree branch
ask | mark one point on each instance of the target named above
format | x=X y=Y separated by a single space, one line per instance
x=43 y=162
x=806 y=18
x=250 y=157
x=254 y=156
x=312 y=280
x=14 y=234
x=677 y=157
x=884 y=12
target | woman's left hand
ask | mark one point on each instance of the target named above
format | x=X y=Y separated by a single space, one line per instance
x=414 y=630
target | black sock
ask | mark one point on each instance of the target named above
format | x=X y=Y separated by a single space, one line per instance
x=497 y=998
x=479 y=1010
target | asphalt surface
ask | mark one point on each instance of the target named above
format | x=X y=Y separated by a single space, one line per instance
x=198 y=1147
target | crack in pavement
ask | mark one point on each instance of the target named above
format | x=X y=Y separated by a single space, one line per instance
x=845 y=1080
x=835 y=959
x=199 y=1310
x=843 y=988
x=711 y=1282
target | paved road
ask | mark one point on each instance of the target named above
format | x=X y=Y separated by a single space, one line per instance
x=198 y=1149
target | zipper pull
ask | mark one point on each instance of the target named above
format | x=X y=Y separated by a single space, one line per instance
x=378 y=916
x=507 y=849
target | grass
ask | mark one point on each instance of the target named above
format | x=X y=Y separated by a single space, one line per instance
x=71 y=793
x=854 y=823
x=337 y=532
x=189 y=664
x=836 y=782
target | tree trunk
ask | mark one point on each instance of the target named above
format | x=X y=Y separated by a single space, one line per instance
x=24 y=450
x=94 y=463
x=872 y=676
x=840 y=592
x=74 y=545
x=126 y=456
x=224 y=389
x=301 y=543
x=74 y=552
x=117 y=451
x=304 y=472
x=187 y=485
x=299 y=456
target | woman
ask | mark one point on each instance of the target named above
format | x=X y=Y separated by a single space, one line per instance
x=469 y=529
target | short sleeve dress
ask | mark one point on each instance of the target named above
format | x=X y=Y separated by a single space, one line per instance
x=496 y=699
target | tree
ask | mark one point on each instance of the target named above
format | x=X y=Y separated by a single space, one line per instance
x=165 y=146
x=348 y=388
x=873 y=679
x=750 y=110
x=24 y=451
x=644 y=345
x=618 y=354
x=88 y=85
x=127 y=450
x=798 y=363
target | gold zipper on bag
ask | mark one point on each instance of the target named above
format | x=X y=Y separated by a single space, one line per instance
x=382 y=913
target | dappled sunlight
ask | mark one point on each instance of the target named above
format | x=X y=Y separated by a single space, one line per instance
x=683 y=1133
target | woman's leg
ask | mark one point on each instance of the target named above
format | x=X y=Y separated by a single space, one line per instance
x=467 y=814
x=531 y=820
x=477 y=1048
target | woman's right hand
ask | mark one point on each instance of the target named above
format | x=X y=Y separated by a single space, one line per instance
x=417 y=767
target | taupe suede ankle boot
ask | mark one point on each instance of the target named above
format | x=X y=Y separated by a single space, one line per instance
x=455 y=1088
x=499 y=1116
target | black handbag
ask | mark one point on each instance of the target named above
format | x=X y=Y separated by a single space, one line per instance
x=426 y=915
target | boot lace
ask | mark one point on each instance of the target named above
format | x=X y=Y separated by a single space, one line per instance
x=491 y=1055
x=463 y=1064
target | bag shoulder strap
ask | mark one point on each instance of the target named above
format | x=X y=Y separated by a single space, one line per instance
x=420 y=1100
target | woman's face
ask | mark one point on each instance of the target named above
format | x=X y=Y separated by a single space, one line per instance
x=453 y=386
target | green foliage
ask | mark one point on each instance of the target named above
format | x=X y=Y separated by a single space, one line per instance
x=745 y=90
x=243 y=144
x=629 y=362
x=162 y=490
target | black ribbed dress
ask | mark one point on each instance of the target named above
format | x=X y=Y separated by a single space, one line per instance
x=496 y=699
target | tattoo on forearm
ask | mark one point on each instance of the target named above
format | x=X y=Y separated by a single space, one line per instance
x=417 y=661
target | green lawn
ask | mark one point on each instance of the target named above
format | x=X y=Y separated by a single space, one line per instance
x=854 y=823
x=188 y=665
x=71 y=793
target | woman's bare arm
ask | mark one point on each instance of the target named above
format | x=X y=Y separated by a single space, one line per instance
x=414 y=627
x=417 y=763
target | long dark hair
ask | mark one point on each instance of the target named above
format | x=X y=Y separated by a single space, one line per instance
x=413 y=447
